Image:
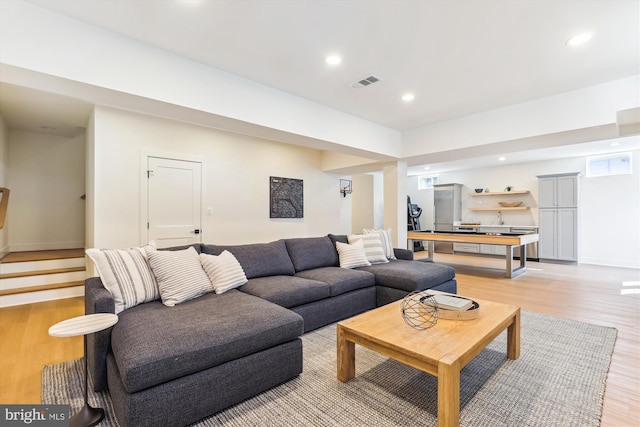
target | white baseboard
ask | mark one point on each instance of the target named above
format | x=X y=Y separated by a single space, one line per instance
x=611 y=262
x=26 y=247
x=40 y=296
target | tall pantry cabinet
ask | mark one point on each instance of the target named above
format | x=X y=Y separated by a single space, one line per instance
x=558 y=216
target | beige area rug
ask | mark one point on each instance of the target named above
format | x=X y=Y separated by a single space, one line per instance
x=558 y=380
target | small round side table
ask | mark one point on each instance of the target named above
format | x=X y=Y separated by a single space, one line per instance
x=84 y=325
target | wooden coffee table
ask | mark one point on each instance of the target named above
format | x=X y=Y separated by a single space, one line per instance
x=442 y=350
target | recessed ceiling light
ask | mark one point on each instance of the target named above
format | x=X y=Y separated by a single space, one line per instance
x=615 y=144
x=333 y=60
x=408 y=97
x=427 y=168
x=502 y=159
x=579 y=39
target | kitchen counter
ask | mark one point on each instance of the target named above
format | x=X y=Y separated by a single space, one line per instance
x=533 y=227
x=509 y=241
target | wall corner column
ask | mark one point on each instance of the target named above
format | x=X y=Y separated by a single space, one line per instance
x=395 y=201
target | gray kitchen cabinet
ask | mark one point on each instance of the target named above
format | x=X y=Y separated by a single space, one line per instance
x=558 y=191
x=558 y=216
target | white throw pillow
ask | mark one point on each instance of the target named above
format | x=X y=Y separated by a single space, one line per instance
x=224 y=271
x=179 y=274
x=352 y=255
x=126 y=275
x=385 y=238
x=372 y=247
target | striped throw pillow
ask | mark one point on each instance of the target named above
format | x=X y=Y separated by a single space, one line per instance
x=352 y=255
x=126 y=275
x=385 y=238
x=224 y=271
x=179 y=274
x=372 y=247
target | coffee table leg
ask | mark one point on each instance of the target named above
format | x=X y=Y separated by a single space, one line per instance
x=449 y=391
x=513 y=337
x=346 y=357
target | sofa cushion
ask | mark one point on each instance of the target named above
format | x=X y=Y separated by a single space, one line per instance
x=126 y=274
x=342 y=238
x=224 y=271
x=372 y=247
x=312 y=252
x=410 y=275
x=352 y=255
x=385 y=238
x=259 y=259
x=196 y=246
x=340 y=280
x=196 y=335
x=179 y=274
x=287 y=291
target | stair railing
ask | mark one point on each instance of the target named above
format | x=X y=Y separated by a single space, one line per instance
x=4 y=202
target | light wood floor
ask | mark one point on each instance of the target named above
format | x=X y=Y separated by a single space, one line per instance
x=581 y=292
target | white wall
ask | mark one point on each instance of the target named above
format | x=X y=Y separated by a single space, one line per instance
x=55 y=53
x=346 y=210
x=362 y=203
x=609 y=207
x=610 y=218
x=236 y=183
x=46 y=178
x=519 y=127
x=4 y=173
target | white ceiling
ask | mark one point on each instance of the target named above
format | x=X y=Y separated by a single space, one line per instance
x=457 y=57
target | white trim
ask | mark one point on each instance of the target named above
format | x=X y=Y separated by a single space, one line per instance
x=4 y=252
x=49 y=264
x=40 y=296
x=26 y=247
x=42 y=279
x=610 y=262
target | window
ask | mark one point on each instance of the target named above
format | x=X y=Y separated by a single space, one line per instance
x=427 y=181
x=613 y=164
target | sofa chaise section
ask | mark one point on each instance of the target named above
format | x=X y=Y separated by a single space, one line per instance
x=400 y=276
x=176 y=365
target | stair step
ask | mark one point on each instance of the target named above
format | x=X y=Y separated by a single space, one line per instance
x=52 y=264
x=28 y=273
x=39 y=288
x=34 y=276
x=30 y=279
x=9 y=300
x=27 y=256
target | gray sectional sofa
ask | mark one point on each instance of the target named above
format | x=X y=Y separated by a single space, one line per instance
x=175 y=365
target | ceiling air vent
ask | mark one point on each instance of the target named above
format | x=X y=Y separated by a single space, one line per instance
x=365 y=82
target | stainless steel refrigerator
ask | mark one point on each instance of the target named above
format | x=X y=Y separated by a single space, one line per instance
x=446 y=211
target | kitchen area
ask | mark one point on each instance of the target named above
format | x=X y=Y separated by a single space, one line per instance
x=483 y=212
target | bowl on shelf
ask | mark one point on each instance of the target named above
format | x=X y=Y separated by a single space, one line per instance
x=478 y=190
x=509 y=204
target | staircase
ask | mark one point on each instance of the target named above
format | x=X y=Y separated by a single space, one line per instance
x=28 y=277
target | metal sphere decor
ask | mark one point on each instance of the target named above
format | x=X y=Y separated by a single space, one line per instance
x=419 y=310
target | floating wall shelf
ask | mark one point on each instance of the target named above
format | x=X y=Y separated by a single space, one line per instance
x=500 y=193
x=501 y=208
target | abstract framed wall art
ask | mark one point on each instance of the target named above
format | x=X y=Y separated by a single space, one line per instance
x=286 y=198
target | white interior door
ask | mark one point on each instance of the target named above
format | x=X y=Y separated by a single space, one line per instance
x=174 y=201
